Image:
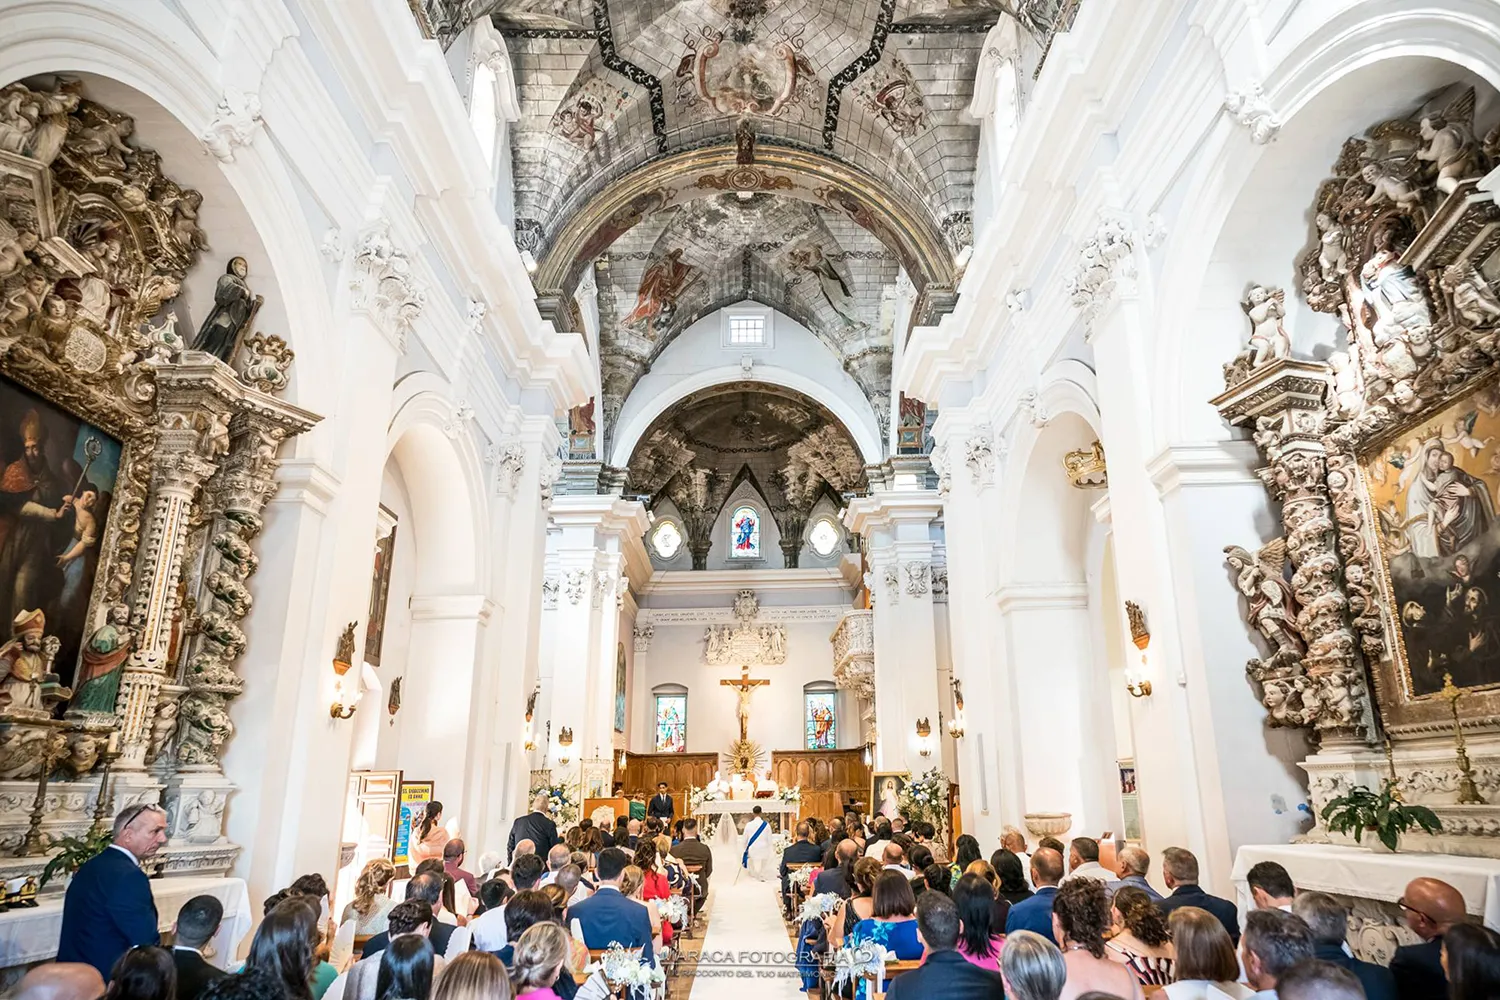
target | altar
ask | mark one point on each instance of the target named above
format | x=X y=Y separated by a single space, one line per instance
x=737 y=812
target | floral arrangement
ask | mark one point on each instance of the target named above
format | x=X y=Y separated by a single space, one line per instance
x=926 y=798
x=793 y=794
x=562 y=801
x=710 y=832
x=803 y=878
x=697 y=796
x=819 y=906
x=621 y=966
x=853 y=963
x=780 y=841
x=673 y=909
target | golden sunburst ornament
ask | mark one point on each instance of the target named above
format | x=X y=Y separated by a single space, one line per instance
x=746 y=758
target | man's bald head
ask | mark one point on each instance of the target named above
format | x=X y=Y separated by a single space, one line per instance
x=892 y=854
x=848 y=850
x=559 y=857
x=1432 y=906
x=61 y=981
x=523 y=847
x=1046 y=866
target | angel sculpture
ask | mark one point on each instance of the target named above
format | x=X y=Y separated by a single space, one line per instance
x=1333 y=259
x=1471 y=297
x=1266 y=308
x=1451 y=145
x=1270 y=607
x=1390 y=187
x=1460 y=434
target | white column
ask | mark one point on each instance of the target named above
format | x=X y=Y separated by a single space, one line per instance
x=640 y=720
x=897 y=526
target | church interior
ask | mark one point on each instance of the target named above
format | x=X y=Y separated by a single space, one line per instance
x=1073 y=417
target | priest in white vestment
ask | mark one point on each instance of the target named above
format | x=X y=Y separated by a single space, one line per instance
x=755 y=845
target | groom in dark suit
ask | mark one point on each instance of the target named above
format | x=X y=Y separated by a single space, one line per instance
x=197 y=923
x=661 y=805
x=109 y=908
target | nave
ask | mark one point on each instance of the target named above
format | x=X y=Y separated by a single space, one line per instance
x=744 y=948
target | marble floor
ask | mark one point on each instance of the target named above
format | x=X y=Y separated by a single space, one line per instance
x=746 y=950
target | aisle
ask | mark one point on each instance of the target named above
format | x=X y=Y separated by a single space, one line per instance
x=746 y=951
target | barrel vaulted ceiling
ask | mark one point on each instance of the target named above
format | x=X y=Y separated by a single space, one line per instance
x=799 y=153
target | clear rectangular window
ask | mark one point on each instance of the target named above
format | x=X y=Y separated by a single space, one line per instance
x=747 y=330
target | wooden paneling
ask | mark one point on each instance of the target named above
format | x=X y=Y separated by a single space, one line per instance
x=827 y=777
x=678 y=770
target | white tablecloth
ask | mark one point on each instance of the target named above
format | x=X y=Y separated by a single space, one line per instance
x=730 y=808
x=30 y=935
x=1361 y=872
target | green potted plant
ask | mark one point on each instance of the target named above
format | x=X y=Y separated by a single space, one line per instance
x=74 y=851
x=1360 y=811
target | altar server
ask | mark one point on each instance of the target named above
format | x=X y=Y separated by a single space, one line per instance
x=755 y=845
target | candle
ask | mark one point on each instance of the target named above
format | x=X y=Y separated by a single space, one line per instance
x=114 y=742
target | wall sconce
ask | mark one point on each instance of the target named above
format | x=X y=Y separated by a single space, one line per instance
x=956 y=724
x=924 y=737
x=564 y=746
x=622 y=760
x=344 y=700
x=1136 y=681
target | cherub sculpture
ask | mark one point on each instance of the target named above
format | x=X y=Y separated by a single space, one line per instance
x=1451 y=145
x=1471 y=297
x=1266 y=308
x=1270 y=607
x=1333 y=259
x=1390 y=188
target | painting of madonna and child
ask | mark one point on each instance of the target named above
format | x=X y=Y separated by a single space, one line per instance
x=57 y=478
x=1434 y=490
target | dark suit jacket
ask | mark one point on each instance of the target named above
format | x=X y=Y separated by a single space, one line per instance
x=696 y=852
x=947 y=973
x=799 y=852
x=661 y=805
x=108 y=910
x=193 y=973
x=1192 y=895
x=1418 y=971
x=831 y=880
x=535 y=827
x=1033 y=914
x=607 y=918
x=1377 y=980
x=439 y=936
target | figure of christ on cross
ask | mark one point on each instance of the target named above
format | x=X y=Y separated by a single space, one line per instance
x=745 y=685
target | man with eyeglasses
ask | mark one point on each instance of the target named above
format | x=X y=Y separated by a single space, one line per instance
x=1430 y=907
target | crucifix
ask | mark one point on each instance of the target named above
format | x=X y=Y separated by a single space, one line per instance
x=745 y=685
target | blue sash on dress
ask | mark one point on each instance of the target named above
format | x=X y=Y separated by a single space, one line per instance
x=745 y=861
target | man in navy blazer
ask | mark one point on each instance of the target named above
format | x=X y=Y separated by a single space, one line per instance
x=109 y=908
x=832 y=879
x=1180 y=870
x=1035 y=912
x=944 y=972
x=607 y=917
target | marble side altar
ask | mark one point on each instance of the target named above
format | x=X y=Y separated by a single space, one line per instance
x=737 y=811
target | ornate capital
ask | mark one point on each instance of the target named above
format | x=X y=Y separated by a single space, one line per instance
x=1106 y=266
x=916 y=577
x=549 y=592
x=235 y=122
x=462 y=414
x=384 y=286
x=509 y=460
x=644 y=632
x=1031 y=406
x=979 y=456
x=576 y=581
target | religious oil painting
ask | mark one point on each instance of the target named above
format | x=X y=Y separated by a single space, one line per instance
x=1433 y=491
x=885 y=792
x=620 y=687
x=822 y=724
x=671 y=723
x=380 y=590
x=55 y=490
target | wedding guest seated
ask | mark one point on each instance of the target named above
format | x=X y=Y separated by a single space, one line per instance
x=1080 y=919
x=578 y=952
x=1083 y=861
x=840 y=878
x=1011 y=878
x=944 y=972
x=633 y=835
x=474 y=975
x=411 y=917
x=197 y=923
x=880 y=837
x=607 y=917
x=1014 y=841
x=925 y=834
x=60 y=981
x=654 y=884
x=1180 y=869
x=1035 y=913
x=406 y=969
x=570 y=881
x=892 y=924
x=1205 y=958
x=621 y=836
x=527 y=871
x=585 y=864
x=1431 y=907
x=428 y=888
x=1270 y=886
x=284 y=944
x=893 y=857
x=1052 y=843
x=143 y=973
x=1141 y=941
x=693 y=851
x=487 y=930
x=1471 y=957
x=523 y=846
x=1274 y=942
x=557 y=859
x=1328 y=921
x=800 y=851
x=540 y=956
x=966 y=852
x=1132 y=866
x=1000 y=908
x=982 y=938
x=1313 y=979
x=631 y=883
x=1032 y=967
x=371 y=900
x=936 y=878
x=898 y=824
x=862 y=899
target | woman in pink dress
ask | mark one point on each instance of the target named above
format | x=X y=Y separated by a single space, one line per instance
x=539 y=958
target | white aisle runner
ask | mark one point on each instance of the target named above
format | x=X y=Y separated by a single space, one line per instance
x=746 y=951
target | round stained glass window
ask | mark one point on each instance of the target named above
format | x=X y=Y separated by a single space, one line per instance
x=824 y=537
x=666 y=540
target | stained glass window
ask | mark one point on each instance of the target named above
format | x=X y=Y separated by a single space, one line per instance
x=744 y=534
x=666 y=539
x=671 y=723
x=822 y=724
x=824 y=537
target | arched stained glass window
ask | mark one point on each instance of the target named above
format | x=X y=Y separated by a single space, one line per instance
x=821 y=719
x=671 y=723
x=744 y=534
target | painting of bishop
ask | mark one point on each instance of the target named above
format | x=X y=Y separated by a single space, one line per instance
x=1433 y=491
x=57 y=478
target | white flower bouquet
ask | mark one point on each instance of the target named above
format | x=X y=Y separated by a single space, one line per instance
x=792 y=794
x=562 y=801
x=803 y=878
x=674 y=909
x=621 y=966
x=926 y=798
x=851 y=964
x=819 y=906
x=697 y=796
x=780 y=841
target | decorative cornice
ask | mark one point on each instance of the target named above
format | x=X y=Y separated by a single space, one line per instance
x=1211 y=463
x=717 y=616
x=1041 y=597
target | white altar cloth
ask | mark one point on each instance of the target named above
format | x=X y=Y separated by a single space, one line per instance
x=1367 y=874
x=30 y=935
x=729 y=808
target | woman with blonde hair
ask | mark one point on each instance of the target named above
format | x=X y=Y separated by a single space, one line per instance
x=1205 y=957
x=539 y=958
x=632 y=884
x=474 y=975
x=372 y=902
